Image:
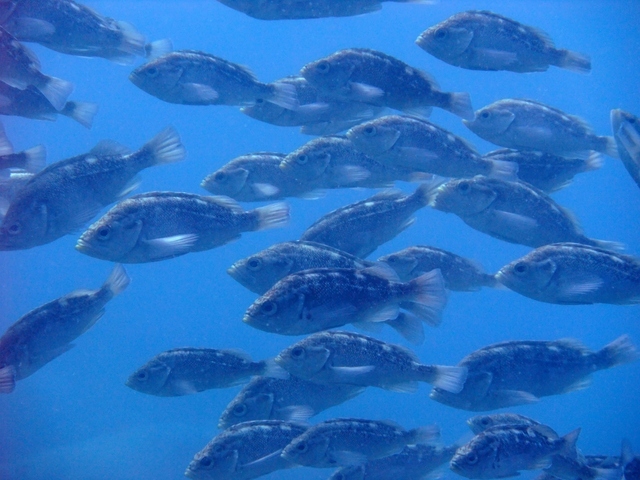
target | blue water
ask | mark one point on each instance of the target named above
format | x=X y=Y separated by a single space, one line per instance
x=75 y=419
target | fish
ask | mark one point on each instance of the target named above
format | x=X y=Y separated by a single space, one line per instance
x=75 y=29
x=261 y=271
x=346 y=357
x=483 y=40
x=574 y=274
x=67 y=194
x=414 y=462
x=46 y=332
x=31 y=160
x=531 y=125
x=157 y=226
x=504 y=451
x=185 y=371
x=480 y=423
x=256 y=177
x=626 y=131
x=319 y=299
x=545 y=171
x=19 y=68
x=514 y=212
x=576 y=467
x=333 y=161
x=190 y=77
x=31 y=103
x=245 y=451
x=294 y=9
x=350 y=441
x=459 y=273
x=370 y=76
x=361 y=227
x=520 y=372
x=422 y=146
x=291 y=399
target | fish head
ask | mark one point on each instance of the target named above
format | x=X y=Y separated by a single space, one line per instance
x=491 y=121
x=303 y=359
x=308 y=450
x=226 y=181
x=25 y=225
x=374 y=138
x=248 y=405
x=465 y=196
x=402 y=262
x=480 y=423
x=150 y=378
x=280 y=310
x=527 y=275
x=309 y=161
x=261 y=271
x=216 y=460
x=446 y=40
x=476 y=459
x=160 y=78
x=330 y=73
x=111 y=238
x=352 y=472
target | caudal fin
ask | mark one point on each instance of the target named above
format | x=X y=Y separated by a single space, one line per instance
x=608 y=147
x=504 y=170
x=446 y=378
x=35 y=159
x=165 y=148
x=428 y=297
x=409 y=326
x=284 y=95
x=5 y=145
x=576 y=62
x=425 y=434
x=460 y=105
x=618 y=352
x=272 y=216
x=56 y=91
x=7 y=379
x=158 y=48
x=118 y=280
x=81 y=112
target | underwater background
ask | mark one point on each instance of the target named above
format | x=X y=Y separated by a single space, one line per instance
x=75 y=418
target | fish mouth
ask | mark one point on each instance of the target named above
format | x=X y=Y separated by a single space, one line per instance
x=285 y=166
x=82 y=246
x=190 y=473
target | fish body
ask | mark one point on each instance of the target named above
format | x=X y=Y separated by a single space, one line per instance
x=349 y=441
x=183 y=371
x=10 y=186
x=626 y=131
x=519 y=372
x=458 y=272
x=572 y=274
x=314 y=300
x=480 y=423
x=345 y=357
x=511 y=211
x=255 y=177
x=159 y=225
x=482 y=40
x=67 y=194
x=190 y=77
x=530 y=125
x=413 y=462
x=361 y=227
x=75 y=29
x=46 y=332
x=245 y=451
x=292 y=399
x=263 y=270
x=545 y=171
x=422 y=146
x=370 y=76
x=504 y=451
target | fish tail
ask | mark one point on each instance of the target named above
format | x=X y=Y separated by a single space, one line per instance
x=428 y=297
x=35 y=158
x=118 y=280
x=576 y=62
x=569 y=443
x=607 y=245
x=425 y=434
x=608 y=147
x=618 y=352
x=56 y=91
x=5 y=145
x=7 y=379
x=284 y=95
x=423 y=193
x=158 y=48
x=594 y=162
x=272 y=216
x=504 y=170
x=164 y=148
x=460 y=104
x=489 y=280
x=409 y=326
x=444 y=377
x=81 y=112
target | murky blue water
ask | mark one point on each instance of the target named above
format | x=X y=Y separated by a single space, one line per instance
x=75 y=419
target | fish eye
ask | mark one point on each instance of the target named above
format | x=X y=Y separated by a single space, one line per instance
x=240 y=410
x=302 y=159
x=302 y=447
x=520 y=268
x=254 y=263
x=14 y=229
x=103 y=232
x=206 y=462
x=370 y=131
x=220 y=176
x=297 y=352
x=485 y=421
x=463 y=187
x=440 y=33
x=485 y=115
x=142 y=376
x=323 y=67
x=269 y=308
x=259 y=101
x=472 y=459
x=152 y=72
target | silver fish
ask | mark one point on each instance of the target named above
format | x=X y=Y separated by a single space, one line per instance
x=349 y=441
x=626 y=131
x=184 y=371
x=519 y=372
x=292 y=399
x=256 y=177
x=160 y=225
x=531 y=125
x=422 y=146
x=571 y=273
x=511 y=211
x=361 y=227
x=458 y=272
x=191 y=77
x=314 y=300
x=75 y=29
x=345 y=357
x=370 y=76
x=261 y=271
x=503 y=451
x=69 y=193
x=245 y=451
x=46 y=332
x=482 y=40
x=480 y=423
